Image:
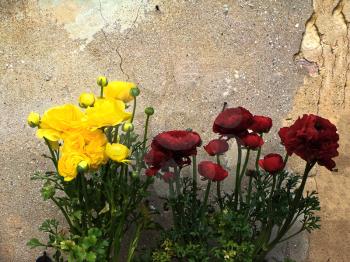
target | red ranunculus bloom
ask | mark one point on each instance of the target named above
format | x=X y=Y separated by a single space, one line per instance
x=152 y=171
x=212 y=171
x=157 y=158
x=313 y=138
x=216 y=147
x=176 y=145
x=252 y=141
x=168 y=176
x=233 y=121
x=272 y=163
x=261 y=124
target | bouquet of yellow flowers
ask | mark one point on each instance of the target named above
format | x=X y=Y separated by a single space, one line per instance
x=96 y=184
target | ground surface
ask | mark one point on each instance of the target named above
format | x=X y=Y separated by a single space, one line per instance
x=188 y=58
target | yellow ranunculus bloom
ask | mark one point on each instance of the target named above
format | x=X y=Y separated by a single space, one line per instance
x=68 y=163
x=105 y=112
x=73 y=142
x=117 y=152
x=33 y=119
x=90 y=143
x=58 y=120
x=86 y=99
x=95 y=147
x=119 y=90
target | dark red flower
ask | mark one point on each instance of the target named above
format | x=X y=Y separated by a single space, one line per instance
x=216 y=147
x=151 y=171
x=312 y=138
x=212 y=171
x=178 y=140
x=173 y=147
x=168 y=176
x=261 y=124
x=252 y=141
x=157 y=158
x=272 y=163
x=233 y=121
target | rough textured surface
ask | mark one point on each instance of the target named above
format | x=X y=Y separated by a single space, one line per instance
x=188 y=58
x=326 y=46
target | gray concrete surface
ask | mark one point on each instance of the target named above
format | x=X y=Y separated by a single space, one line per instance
x=188 y=58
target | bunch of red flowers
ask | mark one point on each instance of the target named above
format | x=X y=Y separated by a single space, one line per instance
x=311 y=137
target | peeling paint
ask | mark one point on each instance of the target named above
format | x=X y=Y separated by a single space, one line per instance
x=84 y=18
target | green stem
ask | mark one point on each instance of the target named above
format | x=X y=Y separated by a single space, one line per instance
x=134 y=243
x=53 y=156
x=218 y=193
x=218 y=186
x=286 y=159
x=249 y=192
x=81 y=204
x=72 y=228
x=116 y=131
x=101 y=93
x=133 y=110
x=238 y=168
x=145 y=134
x=258 y=158
x=172 y=197
x=118 y=237
x=177 y=181
x=194 y=175
x=206 y=196
x=82 y=179
x=299 y=192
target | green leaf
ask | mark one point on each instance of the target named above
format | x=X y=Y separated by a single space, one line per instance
x=48 y=191
x=34 y=242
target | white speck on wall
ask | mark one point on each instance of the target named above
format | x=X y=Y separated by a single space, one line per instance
x=84 y=18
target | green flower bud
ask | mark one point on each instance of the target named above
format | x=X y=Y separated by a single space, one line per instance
x=83 y=166
x=134 y=174
x=149 y=111
x=135 y=91
x=128 y=127
x=102 y=81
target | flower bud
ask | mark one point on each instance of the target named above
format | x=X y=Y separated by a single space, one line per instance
x=86 y=100
x=33 y=119
x=149 y=111
x=135 y=91
x=134 y=174
x=102 y=81
x=83 y=166
x=128 y=127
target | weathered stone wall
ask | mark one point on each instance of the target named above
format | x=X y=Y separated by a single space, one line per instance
x=188 y=58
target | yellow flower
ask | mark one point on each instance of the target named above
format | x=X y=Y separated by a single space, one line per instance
x=86 y=99
x=105 y=112
x=95 y=147
x=73 y=142
x=68 y=164
x=33 y=119
x=90 y=143
x=117 y=152
x=119 y=90
x=59 y=120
